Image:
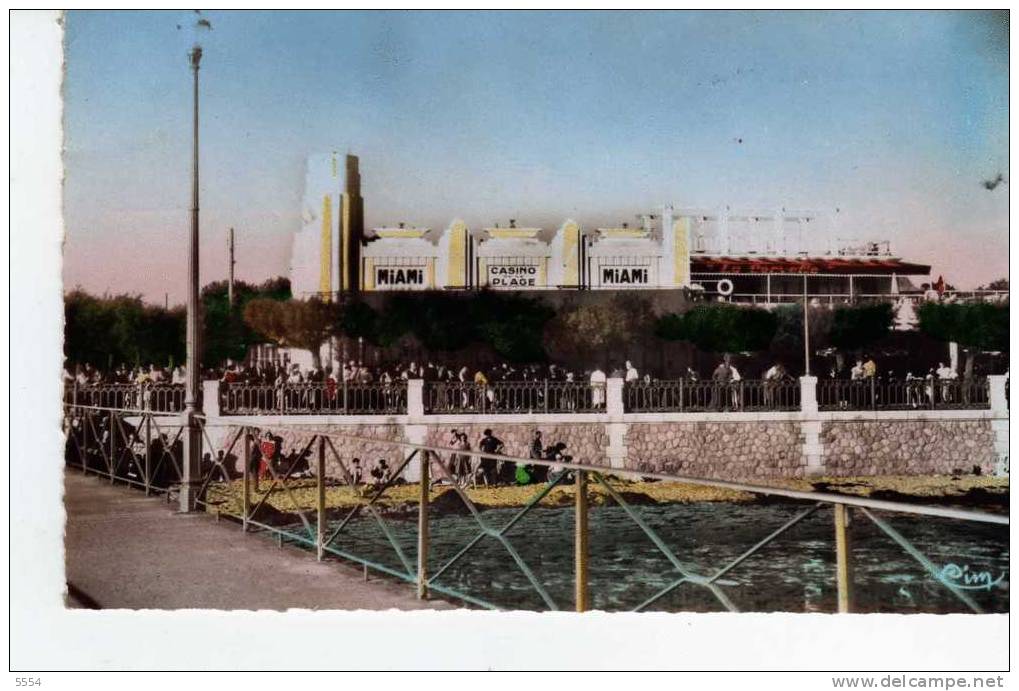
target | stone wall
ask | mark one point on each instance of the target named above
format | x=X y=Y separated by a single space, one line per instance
x=698 y=445
x=908 y=447
x=585 y=442
x=730 y=451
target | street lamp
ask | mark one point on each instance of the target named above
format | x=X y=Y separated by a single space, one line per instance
x=191 y=464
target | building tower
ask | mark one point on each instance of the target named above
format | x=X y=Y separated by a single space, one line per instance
x=351 y=229
x=327 y=250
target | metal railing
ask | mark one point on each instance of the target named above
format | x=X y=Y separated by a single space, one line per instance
x=168 y=398
x=873 y=393
x=508 y=397
x=118 y=445
x=682 y=395
x=314 y=398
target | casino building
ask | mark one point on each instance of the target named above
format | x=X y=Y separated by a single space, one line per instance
x=759 y=257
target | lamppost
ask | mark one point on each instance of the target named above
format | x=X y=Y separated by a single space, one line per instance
x=191 y=464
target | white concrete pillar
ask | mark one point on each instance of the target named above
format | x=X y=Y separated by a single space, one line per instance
x=415 y=399
x=210 y=398
x=614 y=396
x=999 y=404
x=808 y=394
x=616 y=450
x=415 y=434
x=812 y=449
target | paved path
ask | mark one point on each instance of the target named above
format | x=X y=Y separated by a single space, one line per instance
x=125 y=550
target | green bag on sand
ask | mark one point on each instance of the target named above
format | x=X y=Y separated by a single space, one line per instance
x=522 y=476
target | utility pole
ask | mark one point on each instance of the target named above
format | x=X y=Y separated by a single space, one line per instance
x=230 y=285
x=191 y=463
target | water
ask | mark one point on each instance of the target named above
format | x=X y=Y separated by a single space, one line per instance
x=795 y=573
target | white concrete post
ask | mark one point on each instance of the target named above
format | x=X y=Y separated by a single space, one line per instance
x=812 y=448
x=210 y=397
x=808 y=394
x=999 y=404
x=999 y=424
x=614 y=396
x=416 y=399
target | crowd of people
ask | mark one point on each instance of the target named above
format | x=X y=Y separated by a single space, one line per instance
x=542 y=387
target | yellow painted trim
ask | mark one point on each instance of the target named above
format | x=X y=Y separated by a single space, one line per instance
x=507 y=233
x=483 y=271
x=325 y=281
x=400 y=232
x=369 y=273
x=345 y=242
x=623 y=232
x=542 y=272
x=571 y=255
x=430 y=273
x=456 y=255
x=682 y=254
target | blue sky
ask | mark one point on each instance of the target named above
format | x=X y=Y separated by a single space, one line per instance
x=894 y=118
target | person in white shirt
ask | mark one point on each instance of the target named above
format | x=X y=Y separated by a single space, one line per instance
x=598 y=380
x=733 y=378
x=631 y=372
x=946 y=375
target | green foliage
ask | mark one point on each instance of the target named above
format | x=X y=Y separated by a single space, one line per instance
x=859 y=326
x=226 y=335
x=105 y=331
x=601 y=328
x=512 y=325
x=979 y=325
x=294 y=323
x=720 y=328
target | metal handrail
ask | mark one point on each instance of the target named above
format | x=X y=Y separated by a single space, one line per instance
x=122 y=439
x=685 y=395
x=309 y=398
x=508 y=397
x=930 y=393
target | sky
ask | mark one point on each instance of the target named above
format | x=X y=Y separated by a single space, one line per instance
x=895 y=119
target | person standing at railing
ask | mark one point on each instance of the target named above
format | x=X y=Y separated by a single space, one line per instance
x=597 y=381
x=773 y=377
x=734 y=387
x=484 y=392
x=632 y=375
x=720 y=379
x=946 y=375
x=870 y=378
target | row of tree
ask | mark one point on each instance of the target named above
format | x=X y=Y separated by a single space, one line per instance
x=110 y=330
x=517 y=328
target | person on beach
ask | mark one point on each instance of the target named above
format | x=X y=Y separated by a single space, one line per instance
x=489 y=467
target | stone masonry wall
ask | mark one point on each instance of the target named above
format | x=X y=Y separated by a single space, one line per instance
x=907 y=447
x=744 y=450
x=585 y=442
x=730 y=451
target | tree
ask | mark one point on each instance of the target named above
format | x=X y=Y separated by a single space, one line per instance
x=997 y=284
x=225 y=334
x=107 y=331
x=979 y=326
x=858 y=326
x=294 y=323
x=720 y=328
x=600 y=328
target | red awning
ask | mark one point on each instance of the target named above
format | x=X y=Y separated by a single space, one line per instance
x=789 y=265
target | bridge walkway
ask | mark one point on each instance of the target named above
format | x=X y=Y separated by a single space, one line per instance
x=124 y=550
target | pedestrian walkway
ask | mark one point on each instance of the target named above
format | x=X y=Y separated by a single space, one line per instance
x=128 y=551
